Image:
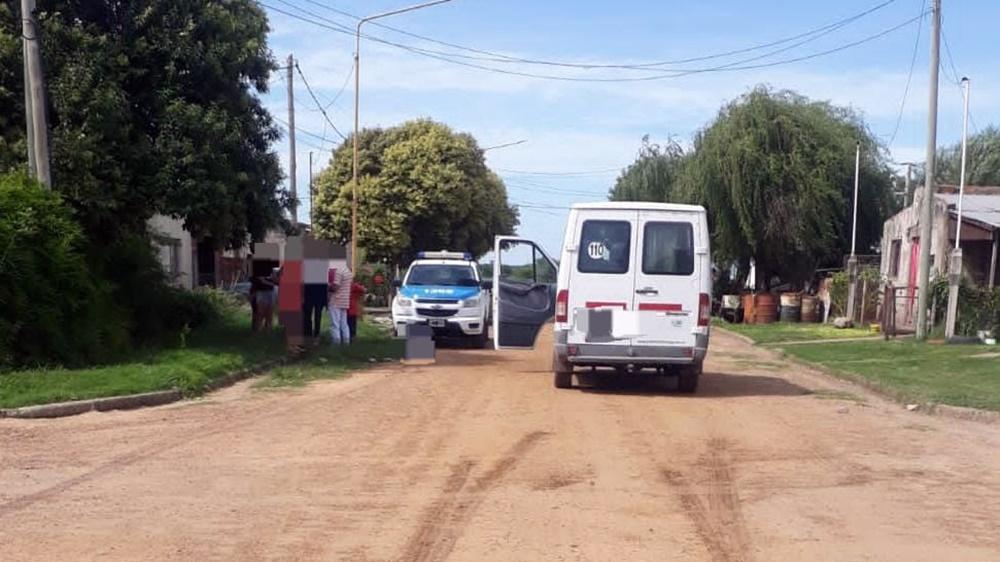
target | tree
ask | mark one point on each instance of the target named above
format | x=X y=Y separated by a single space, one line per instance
x=422 y=186
x=153 y=110
x=982 y=164
x=776 y=173
x=653 y=176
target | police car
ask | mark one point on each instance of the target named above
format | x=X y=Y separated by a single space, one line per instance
x=445 y=291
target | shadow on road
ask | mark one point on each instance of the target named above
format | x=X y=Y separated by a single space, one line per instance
x=712 y=385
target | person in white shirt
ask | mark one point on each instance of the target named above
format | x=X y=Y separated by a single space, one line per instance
x=340 y=281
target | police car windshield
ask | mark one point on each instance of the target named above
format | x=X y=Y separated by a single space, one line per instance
x=441 y=274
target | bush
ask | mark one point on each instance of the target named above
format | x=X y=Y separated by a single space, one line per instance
x=978 y=307
x=52 y=307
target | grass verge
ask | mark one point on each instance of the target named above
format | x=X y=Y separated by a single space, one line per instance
x=957 y=375
x=373 y=345
x=781 y=332
x=207 y=354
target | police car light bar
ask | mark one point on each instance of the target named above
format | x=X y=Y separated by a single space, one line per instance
x=444 y=255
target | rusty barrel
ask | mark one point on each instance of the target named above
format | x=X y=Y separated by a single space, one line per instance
x=791 y=306
x=810 y=309
x=766 y=308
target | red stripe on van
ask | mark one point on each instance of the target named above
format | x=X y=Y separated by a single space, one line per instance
x=661 y=307
x=599 y=304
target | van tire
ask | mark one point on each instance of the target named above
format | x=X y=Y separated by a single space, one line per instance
x=563 y=379
x=687 y=378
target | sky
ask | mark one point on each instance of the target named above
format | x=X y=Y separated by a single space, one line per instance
x=578 y=135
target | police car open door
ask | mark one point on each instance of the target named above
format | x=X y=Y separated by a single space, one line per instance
x=524 y=292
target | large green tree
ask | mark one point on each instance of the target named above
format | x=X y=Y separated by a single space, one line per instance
x=423 y=186
x=982 y=163
x=776 y=172
x=654 y=176
x=153 y=109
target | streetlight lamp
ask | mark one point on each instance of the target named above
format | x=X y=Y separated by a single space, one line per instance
x=357 y=100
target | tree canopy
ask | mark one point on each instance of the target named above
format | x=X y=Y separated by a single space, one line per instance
x=153 y=109
x=422 y=186
x=982 y=163
x=776 y=173
x=653 y=176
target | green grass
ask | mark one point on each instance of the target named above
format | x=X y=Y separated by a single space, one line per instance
x=331 y=362
x=209 y=354
x=780 y=332
x=914 y=372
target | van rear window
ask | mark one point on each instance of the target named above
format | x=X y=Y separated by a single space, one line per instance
x=605 y=246
x=668 y=248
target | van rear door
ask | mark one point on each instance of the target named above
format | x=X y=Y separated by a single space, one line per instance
x=667 y=292
x=602 y=268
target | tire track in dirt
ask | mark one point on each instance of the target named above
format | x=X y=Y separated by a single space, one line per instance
x=202 y=431
x=442 y=523
x=715 y=510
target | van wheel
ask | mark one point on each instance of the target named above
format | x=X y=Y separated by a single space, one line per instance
x=562 y=379
x=562 y=372
x=687 y=378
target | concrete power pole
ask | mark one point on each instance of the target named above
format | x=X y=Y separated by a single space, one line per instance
x=34 y=95
x=908 y=186
x=927 y=205
x=291 y=143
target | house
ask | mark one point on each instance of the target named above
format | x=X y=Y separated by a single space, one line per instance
x=191 y=263
x=979 y=242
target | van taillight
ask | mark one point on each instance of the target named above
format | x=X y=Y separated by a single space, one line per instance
x=704 y=309
x=562 y=306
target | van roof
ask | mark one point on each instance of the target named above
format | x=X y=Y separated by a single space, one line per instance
x=638 y=206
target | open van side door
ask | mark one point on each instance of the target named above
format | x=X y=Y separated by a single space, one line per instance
x=524 y=292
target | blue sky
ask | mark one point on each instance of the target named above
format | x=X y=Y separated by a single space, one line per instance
x=578 y=134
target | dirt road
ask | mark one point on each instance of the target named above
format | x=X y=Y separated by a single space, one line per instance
x=479 y=458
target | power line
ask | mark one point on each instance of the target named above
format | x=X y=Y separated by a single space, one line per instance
x=347 y=80
x=909 y=76
x=318 y=104
x=576 y=173
x=304 y=132
x=728 y=67
x=956 y=79
x=502 y=58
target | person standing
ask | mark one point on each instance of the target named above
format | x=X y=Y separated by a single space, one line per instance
x=357 y=307
x=340 y=279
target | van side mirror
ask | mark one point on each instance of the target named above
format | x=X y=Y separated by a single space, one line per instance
x=397 y=283
x=487 y=285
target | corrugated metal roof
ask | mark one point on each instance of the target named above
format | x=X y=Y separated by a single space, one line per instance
x=980 y=208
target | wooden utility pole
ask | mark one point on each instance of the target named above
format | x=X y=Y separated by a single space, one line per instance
x=34 y=96
x=927 y=205
x=291 y=143
x=312 y=199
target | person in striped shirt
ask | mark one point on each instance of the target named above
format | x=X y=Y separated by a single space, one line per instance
x=340 y=281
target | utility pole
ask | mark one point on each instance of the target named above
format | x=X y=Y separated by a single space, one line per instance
x=927 y=205
x=291 y=143
x=311 y=198
x=34 y=94
x=955 y=267
x=852 y=262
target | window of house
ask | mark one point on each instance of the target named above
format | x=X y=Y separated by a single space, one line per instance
x=894 y=258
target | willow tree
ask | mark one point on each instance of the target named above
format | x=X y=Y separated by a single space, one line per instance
x=654 y=176
x=422 y=187
x=776 y=172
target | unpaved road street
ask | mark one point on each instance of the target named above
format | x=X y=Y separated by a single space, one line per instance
x=479 y=458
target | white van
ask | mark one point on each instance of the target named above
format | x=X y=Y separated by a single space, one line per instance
x=633 y=291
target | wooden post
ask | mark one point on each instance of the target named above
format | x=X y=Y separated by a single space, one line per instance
x=993 y=262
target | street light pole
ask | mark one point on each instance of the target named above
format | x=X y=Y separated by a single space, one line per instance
x=955 y=267
x=852 y=262
x=357 y=111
